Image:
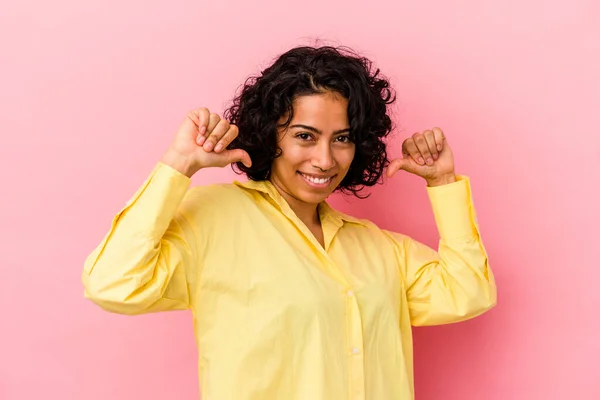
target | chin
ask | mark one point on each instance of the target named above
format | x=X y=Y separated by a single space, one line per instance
x=311 y=197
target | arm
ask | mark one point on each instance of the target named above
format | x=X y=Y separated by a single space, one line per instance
x=456 y=282
x=147 y=260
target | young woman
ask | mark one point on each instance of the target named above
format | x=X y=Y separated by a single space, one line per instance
x=291 y=298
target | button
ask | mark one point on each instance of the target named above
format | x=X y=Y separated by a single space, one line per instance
x=350 y=293
x=355 y=350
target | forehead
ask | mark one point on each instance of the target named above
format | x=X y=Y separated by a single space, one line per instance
x=326 y=109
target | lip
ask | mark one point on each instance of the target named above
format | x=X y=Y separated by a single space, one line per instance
x=314 y=184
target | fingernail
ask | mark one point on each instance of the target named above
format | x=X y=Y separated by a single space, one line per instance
x=201 y=140
x=435 y=156
x=439 y=147
x=219 y=147
x=202 y=130
x=208 y=146
x=421 y=161
x=429 y=161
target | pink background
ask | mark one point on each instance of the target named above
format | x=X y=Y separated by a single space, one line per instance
x=91 y=93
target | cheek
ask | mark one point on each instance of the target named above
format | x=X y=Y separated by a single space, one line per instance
x=287 y=164
x=345 y=158
x=295 y=158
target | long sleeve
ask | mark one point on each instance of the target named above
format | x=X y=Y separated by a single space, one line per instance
x=455 y=283
x=146 y=261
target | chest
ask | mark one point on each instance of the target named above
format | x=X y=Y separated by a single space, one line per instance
x=273 y=266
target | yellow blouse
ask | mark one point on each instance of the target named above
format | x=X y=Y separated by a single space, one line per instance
x=276 y=315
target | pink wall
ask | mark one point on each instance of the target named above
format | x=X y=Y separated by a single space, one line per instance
x=90 y=94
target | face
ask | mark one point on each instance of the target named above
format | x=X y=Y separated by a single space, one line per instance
x=316 y=149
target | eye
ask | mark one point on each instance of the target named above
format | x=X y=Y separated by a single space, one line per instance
x=303 y=136
x=343 y=139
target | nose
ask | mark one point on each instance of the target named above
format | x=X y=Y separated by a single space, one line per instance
x=323 y=157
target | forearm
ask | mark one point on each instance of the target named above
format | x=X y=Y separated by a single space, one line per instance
x=455 y=282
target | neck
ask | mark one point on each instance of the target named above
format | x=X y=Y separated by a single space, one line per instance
x=306 y=212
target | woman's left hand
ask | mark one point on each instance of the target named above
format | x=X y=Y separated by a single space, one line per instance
x=427 y=155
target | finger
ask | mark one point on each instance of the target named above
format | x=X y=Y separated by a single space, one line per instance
x=239 y=155
x=439 y=138
x=216 y=134
x=214 y=119
x=395 y=166
x=406 y=164
x=227 y=138
x=193 y=116
x=421 y=143
x=201 y=119
x=431 y=145
x=409 y=147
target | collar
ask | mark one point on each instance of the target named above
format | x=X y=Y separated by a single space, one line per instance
x=325 y=210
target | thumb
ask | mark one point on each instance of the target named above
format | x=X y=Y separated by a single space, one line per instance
x=397 y=165
x=237 y=155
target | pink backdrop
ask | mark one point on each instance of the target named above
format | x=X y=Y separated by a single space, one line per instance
x=91 y=93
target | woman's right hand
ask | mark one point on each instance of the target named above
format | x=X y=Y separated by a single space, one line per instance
x=201 y=142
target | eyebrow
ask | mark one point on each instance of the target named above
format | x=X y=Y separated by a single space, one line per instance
x=315 y=130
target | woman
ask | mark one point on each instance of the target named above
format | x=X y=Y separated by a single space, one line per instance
x=291 y=298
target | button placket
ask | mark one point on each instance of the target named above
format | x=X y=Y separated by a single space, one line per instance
x=355 y=342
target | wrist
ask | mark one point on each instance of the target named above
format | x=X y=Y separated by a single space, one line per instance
x=442 y=180
x=178 y=162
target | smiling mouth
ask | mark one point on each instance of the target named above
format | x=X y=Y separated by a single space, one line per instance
x=317 y=181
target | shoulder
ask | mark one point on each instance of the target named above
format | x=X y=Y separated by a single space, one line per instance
x=371 y=231
x=215 y=192
x=217 y=198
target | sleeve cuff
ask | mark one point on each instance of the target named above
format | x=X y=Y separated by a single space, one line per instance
x=453 y=209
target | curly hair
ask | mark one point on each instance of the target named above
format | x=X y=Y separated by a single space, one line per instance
x=306 y=70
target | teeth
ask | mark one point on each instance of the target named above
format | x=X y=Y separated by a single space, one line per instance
x=318 y=181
